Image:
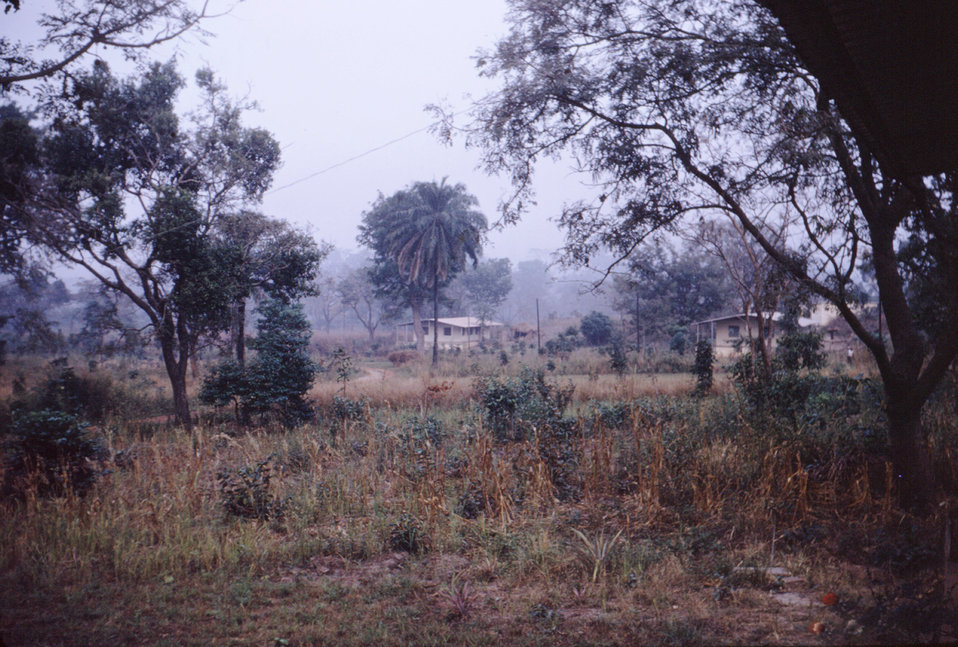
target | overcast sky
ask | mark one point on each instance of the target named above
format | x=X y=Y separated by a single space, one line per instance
x=339 y=79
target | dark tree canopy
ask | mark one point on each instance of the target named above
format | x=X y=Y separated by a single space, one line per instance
x=687 y=110
x=669 y=287
x=265 y=256
x=19 y=159
x=596 y=328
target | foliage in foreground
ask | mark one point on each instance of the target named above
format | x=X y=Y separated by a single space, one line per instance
x=50 y=453
x=627 y=505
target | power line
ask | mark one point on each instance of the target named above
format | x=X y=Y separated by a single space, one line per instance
x=353 y=158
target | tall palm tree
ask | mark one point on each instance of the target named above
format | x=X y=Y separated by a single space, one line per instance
x=435 y=229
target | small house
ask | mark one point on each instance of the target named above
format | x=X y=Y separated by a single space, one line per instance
x=730 y=334
x=454 y=332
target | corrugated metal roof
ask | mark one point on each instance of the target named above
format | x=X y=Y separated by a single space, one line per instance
x=461 y=322
x=892 y=68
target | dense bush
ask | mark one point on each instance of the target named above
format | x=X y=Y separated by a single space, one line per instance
x=529 y=408
x=618 y=360
x=564 y=343
x=349 y=410
x=704 y=359
x=244 y=493
x=596 y=328
x=282 y=373
x=91 y=397
x=279 y=377
x=513 y=406
x=51 y=451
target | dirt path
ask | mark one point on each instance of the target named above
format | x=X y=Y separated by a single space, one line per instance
x=371 y=374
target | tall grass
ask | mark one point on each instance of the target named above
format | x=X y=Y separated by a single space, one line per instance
x=638 y=483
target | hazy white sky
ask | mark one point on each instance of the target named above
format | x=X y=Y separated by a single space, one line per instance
x=338 y=78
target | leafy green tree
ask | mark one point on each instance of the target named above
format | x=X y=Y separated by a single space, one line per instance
x=596 y=328
x=486 y=287
x=668 y=287
x=281 y=375
x=134 y=198
x=704 y=359
x=428 y=231
x=19 y=162
x=265 y=256
x=705 y=110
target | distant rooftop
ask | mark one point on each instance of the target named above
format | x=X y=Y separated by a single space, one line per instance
x=461 y=322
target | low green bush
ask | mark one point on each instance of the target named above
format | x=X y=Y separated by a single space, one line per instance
x=245 y=493
x=53 y=452
x=512 y=407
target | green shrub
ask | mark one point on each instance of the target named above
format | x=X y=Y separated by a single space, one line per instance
x=91 y=397
x=618 y=360
x=406 y=534
x=596 y=329
x=612 y=415
x=513 y=406
x=348 y=410
x=282 y=373
x=564 y=343
x=52 y=451
x=224 y=386
x=277 y=380
x=704 y=359
x=245 y=493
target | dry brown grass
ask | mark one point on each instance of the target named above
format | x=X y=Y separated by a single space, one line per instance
x=416 y=387
x=151 y=557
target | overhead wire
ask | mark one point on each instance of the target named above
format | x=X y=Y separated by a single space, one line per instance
x=359 y=156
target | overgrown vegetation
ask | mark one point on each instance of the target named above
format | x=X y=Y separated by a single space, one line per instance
x=519 y=508
x=50 y=453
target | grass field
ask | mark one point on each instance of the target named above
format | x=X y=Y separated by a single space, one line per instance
x=416 y=510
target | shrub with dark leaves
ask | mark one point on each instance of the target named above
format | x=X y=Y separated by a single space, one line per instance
x=53 y=452
x=406 y=534
x=514 y=406
x=245 y=493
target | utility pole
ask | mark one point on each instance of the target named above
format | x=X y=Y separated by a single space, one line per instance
x=638 y=326
x=538 y=330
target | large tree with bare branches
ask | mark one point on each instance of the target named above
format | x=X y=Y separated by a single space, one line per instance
x=683 y=110
x=78 y=28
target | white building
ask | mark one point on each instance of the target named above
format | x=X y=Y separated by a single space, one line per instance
x=454 y=332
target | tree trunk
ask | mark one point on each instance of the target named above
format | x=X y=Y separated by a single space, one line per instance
x=911 y=460
x=175 y=361
x=239 y=332
x=435 y=320
x=416 y=306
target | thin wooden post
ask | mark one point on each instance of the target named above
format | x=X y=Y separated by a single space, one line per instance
x=538 y=330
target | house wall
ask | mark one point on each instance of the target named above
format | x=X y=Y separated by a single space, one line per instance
x=459 y=337
x=730 y=337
